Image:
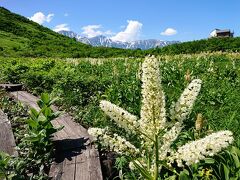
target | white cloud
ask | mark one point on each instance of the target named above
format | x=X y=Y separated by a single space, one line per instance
x=93 y=30
x=66 y=14
x=108 y=32
x=169 y=32
x=61 y=27
x=40 y=18
x=131 y=32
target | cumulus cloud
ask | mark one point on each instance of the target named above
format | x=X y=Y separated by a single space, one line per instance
x=61 y=27
x=131 y=32
x=40 y=18
x=94 y=30
x=169 y=32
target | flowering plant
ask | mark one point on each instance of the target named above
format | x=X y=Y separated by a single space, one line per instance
x=155 y=132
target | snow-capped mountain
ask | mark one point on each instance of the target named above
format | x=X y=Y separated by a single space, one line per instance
x=70 y=34
x=108 y=42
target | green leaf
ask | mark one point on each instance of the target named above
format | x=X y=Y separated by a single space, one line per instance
x=143 y=171
x=184 y=175
x=10 y=176
x=42 y=118
x=32 y=123
x=47 y=112
x=40 y=103
x=209 y=161
x=53 y=101
x=34 y=113
x=173 y=177
x=236 y=160
x=226 y=172
x=235 y=150
x=45 y=98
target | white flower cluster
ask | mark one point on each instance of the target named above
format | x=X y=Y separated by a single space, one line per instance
x=153 y=114
x=195 y=151
x=115 y=143
x=168 y=138
x=131 y=166
x=123 y=118
x=182 y=108
x=96 y=133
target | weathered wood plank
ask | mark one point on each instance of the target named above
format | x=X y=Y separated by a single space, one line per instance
x=90 y=169
x=7 y=142
x=76 y=159
x=93 y=166
x=11 y=87
x=83 y=171
x=25 y=98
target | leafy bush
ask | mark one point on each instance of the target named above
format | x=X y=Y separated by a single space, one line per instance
x=34 y=143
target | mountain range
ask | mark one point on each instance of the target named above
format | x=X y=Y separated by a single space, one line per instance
x=108 y=42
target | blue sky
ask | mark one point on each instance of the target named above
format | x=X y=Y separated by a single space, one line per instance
x=126 y=20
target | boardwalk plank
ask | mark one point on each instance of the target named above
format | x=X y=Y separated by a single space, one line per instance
x=69 y=169
x=11 y=87
x=7 y=142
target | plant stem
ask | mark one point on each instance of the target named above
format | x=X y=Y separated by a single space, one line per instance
x=156 y=158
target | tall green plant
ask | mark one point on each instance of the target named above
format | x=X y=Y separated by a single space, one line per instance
x=35 y=147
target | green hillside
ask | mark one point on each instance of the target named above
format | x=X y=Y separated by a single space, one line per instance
x=22 y=37
x=204 y=45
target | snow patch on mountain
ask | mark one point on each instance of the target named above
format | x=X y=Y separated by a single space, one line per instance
x=108 y=42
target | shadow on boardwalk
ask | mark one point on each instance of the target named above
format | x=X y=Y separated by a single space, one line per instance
x=69 y=148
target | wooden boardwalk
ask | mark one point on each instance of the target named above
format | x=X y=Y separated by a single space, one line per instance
x=7 y=142
x=76 y=158
x=11 y=87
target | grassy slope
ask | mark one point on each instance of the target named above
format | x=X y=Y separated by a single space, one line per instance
x=22 y=37
x=204 y=45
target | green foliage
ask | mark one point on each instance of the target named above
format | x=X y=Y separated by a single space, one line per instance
x=4 y=161
x=204 y=45
x=227 y=164
x=81 y=83
x=33 y=137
